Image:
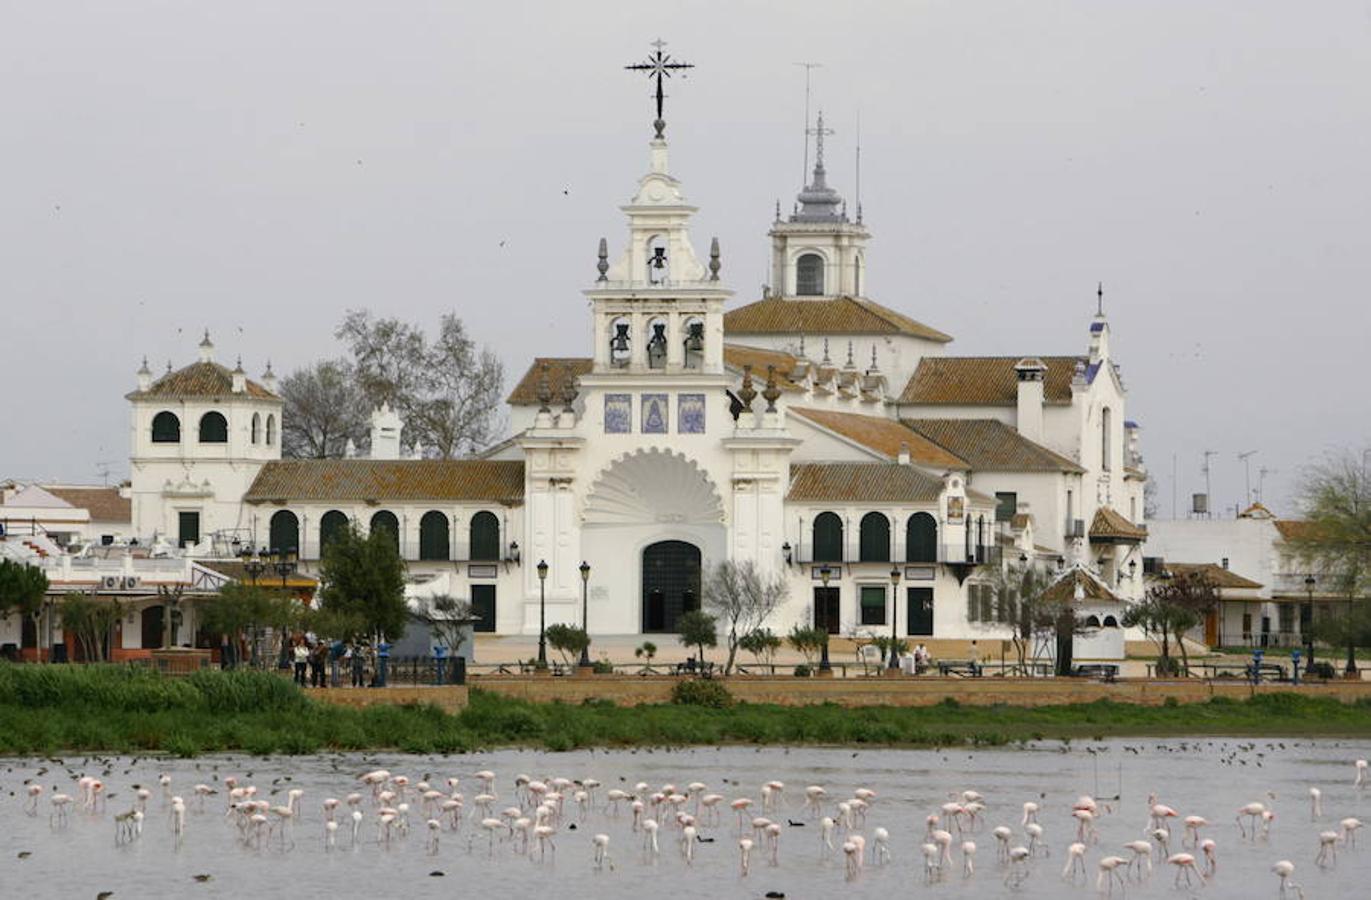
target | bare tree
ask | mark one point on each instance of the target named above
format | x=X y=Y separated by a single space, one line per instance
x=323 y=409
x=447 y=391
x=447 y=618
x=741 y=597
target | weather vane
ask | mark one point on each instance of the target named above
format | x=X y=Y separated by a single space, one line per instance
x=659 y=65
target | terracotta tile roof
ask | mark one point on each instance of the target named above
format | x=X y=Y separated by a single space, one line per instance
x=200 y=379
x=559 y=370
x=862 y=482
x=1294 y=529
x=394 y=481
x=235 y=570
x=737 y=355
x=103 y=503
x=1063 y=590
x=984 y=380
x=1110 y=525
x=841 y=315
x=990 y=445
x=884 y=436
x=1214 y=573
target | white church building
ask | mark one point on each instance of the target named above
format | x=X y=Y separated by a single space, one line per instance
x=825 y=436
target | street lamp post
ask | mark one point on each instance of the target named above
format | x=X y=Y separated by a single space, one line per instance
x=1351 y=670
x=585 y=613
x=1309 y=582
x=894 y=610
x=542 y=614
x=825 y=667
x=254 y=565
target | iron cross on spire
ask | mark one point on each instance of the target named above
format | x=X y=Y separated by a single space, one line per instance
x=818 y=132
x=659 y=65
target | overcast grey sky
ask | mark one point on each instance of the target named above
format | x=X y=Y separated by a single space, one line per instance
x=260 y=167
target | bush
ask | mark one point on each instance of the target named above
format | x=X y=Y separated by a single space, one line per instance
x=1168 y=667
x=701 y=692
x=1323 y=670
x=602 y=667
x=802 y=671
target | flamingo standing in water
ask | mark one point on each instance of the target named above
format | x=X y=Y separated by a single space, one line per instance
x=744 y=855
x=1018 y=866
x=1193 y=824
x=1284 y=869
x=1211 y=864
x=31 y=805
x=880 y=846
x=1315 y=804
x=1185 y=866
x=1361 y=774
x=933 y=863
x=1109 y=873
x=1075 y=862
x=1253 y=812
x=1327 y=856
x=1349 y=827
x=968 y=854
x=601 y=844
x=1140 y=865
x=1002 y=835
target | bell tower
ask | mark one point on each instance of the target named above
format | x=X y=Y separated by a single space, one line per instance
x=818 y=252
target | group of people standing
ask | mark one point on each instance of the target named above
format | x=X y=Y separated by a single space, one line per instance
x=312 y=660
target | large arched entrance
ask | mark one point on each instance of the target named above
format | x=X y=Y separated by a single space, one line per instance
x=671 y=584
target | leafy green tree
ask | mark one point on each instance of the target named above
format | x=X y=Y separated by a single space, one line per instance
x=569 y=640
x=89 y=623
x=808 y=641
x=365 y=576
x=21 y=587
x=762 y=644
x=1335 y=540
x=1173 y=606
x=742 y=597
x=698 y=629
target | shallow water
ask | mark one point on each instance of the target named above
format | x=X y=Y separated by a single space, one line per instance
x=1205 y=777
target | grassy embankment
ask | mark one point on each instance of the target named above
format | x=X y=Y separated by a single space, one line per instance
x=111 y=709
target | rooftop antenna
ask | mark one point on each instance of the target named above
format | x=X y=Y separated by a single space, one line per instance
x=1208 y=496
x=102 y=468
x=1261 y=481
x=859 y=165
x=1247 y=473
x=808 y=67
x=1099 y=298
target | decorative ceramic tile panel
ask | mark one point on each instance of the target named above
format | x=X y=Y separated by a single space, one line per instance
x=656 y=413
x=618 y=413
x=690 y=413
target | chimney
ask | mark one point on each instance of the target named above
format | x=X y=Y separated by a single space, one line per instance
x=904 y=457
x=1029 y=418
x=206 y=348
x=269 y=378
x=385 y=433
x=240 y=378
x=144 y=376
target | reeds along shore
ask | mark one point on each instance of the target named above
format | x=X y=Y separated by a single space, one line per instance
x=47 y=709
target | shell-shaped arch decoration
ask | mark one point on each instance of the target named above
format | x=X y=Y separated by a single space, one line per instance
x=653 y=485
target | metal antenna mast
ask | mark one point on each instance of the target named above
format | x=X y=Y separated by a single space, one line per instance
x=1208 y=488
x=1247 y=473
x=808 y=67
x=1261 y=481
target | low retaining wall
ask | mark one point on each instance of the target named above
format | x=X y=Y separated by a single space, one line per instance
x=450 y=698
x=921 y=691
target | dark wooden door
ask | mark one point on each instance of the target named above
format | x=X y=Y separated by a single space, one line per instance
x=827 y=609
x=483 y=606
x=671 y=584
x=919 y=611
x=153 y=623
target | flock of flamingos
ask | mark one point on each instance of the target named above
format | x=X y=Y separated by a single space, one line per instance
x=536 y=813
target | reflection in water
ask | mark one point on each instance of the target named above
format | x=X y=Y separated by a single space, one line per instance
x=1203 y=817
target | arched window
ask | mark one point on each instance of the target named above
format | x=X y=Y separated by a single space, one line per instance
x=166 y=428
x=828 y=537
x=433 y=536
x=385 y=521
x=256 y=427
x=921 y=538
x=809 y=275
x=285 y=532
x=1111 y=622
x=694 y=351
x=332 y=526
x=485 y=536
x=875 y=538
x=980 y=539
x=1092 y=621
x=271 y=430
x=656 y=344
x=857 y=275
x=658 y=264
x=620 y=342
x=213 y=428
x=1106 y=432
